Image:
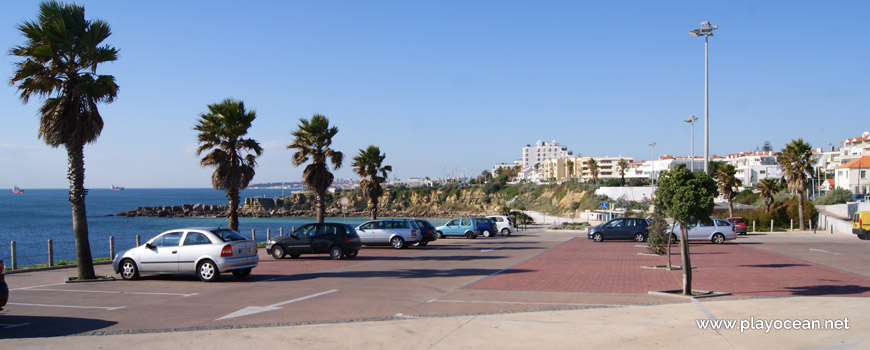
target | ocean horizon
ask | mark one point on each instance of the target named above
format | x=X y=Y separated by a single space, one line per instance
x=35 y=216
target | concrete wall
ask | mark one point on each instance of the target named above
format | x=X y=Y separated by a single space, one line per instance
x=636 y=194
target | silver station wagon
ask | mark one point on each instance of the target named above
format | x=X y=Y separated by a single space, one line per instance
x=395 y=232
x=205 y=252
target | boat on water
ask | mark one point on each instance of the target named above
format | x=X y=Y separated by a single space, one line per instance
x=117 y=188
x=16 y=189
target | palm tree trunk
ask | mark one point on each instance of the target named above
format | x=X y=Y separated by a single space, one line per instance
x=686 y=261
x=374 y=204
x=77 y=193
x=320 y=207
x=233 y=215
x=730 y=208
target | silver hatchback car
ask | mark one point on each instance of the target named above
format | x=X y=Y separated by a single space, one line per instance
x=395 y=232
x=206 y=252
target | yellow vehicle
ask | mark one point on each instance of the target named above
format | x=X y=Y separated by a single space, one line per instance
x=861 y=224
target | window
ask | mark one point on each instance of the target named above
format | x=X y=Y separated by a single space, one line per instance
x=170 y=239
x=466 y=222
x=400 y=224
x=326 y=230
x=367 y=226
x=305 y=231
x=453 y=222
x=863 y=174
x=195 y=238
x=228 y=235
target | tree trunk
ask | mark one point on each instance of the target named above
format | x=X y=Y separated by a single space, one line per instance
x=801 y=208
x=233 y=215
x=77 y=193
x=730 y=208
x=320 y=207
x=686 y=261
x=373 y=202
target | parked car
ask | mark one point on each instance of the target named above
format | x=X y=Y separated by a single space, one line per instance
x=504 y=224
x=337 y=240
x=4 y=289
x=861 y=224
x=395 y=232
x=467 y=227
x=205 y=252
x=739 y=224
x=636 y=229
x=427 y=231
x=710 y=229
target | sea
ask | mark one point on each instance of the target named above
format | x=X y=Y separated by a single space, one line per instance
x=34 y=217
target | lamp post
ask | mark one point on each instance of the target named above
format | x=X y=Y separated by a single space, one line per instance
x=652 y=171
x=706 y=31
x=691 y=122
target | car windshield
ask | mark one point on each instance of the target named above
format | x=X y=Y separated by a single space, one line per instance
x=737 y=220
x=228 y=235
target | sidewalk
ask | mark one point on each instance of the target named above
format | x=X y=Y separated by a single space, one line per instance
x=672 y=326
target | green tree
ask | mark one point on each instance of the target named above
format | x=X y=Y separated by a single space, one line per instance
x=623 y=166
x=795 y=160
x=728 y=184
x=767 y=147
x=60 y=56
x=685 y=196
x=368 y=164
x=312 y=140
x=593 y=169
x=570 y=168
x=221 y=134
x=768 y=188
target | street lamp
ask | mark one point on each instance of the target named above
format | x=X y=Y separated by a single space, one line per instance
x=706 y=31
x=691 y=121
x=652 y=171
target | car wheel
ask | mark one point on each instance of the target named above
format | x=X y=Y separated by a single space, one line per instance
x=278 y=252
x=440 y=235
x=129 y=271
x=486 y=233
x=673 y=238
x=638 y=237
x=470 y=235
x=860 y=236
x=335 y=253
x=505 y=232
x=598 y=237
x=207 y=271
x=718 y=238
x=242 y=273
x=294 y=255
x=352 y=254
x=397 y=242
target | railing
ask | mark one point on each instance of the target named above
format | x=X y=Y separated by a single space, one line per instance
x=28 y=254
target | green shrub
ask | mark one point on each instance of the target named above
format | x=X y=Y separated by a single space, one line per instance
x=835 y=196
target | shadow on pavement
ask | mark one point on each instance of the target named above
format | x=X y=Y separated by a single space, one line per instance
x=829 y=290
x=41 y=326
x=775 y=265
x=408 y=273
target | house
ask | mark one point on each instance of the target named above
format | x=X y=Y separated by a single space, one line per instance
x=853 y=175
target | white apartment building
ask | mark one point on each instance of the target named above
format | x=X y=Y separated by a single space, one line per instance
x=753 y=167
x=650 y=169
x=543 y=151
x=854 y=148
x=853 y=175
x=578 y=168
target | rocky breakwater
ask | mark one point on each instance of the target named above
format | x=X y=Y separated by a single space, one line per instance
x=186 y=210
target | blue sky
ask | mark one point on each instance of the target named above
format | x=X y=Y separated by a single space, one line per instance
x=451 y=87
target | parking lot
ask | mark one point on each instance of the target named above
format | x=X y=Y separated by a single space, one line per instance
x=535 y=269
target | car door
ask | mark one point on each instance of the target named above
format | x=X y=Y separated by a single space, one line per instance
x=702 y=230
x=161 y=253
x=465 y=225
x=299 y=242
x=367 y=232
x=194 y=246
x=323 y=238
x=452 y=228
x=614 y=229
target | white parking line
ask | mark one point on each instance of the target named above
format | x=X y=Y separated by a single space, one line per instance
x=71 y=306
x=46 y=285
x=250 y=310
x=823 y=251
x=517 y=303
x=108 y=292
x=7 y=326
x=489 y=250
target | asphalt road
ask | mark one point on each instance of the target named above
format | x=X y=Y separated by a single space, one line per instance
x=381 y=283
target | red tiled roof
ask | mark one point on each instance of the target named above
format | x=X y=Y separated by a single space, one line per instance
x=863 y=162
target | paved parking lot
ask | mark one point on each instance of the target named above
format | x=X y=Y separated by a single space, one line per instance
x=537 y=269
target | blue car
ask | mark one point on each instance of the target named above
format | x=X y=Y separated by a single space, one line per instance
x=467 y=227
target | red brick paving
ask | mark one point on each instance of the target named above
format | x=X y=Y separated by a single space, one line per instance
x=581 y=265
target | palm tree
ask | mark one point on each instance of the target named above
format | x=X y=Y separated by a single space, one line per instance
x=593 y=168
x=768 y=188
x=60 y=57
x=796 y=163
x=221 y=130
x=623 y=166
x=368 y=164
x=570 y=168
x=728 y=184
x=312 y=141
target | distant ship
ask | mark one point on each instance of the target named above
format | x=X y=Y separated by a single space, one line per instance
x=17 y=190
x=117 y=188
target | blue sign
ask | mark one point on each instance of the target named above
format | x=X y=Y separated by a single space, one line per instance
x=603 y=205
